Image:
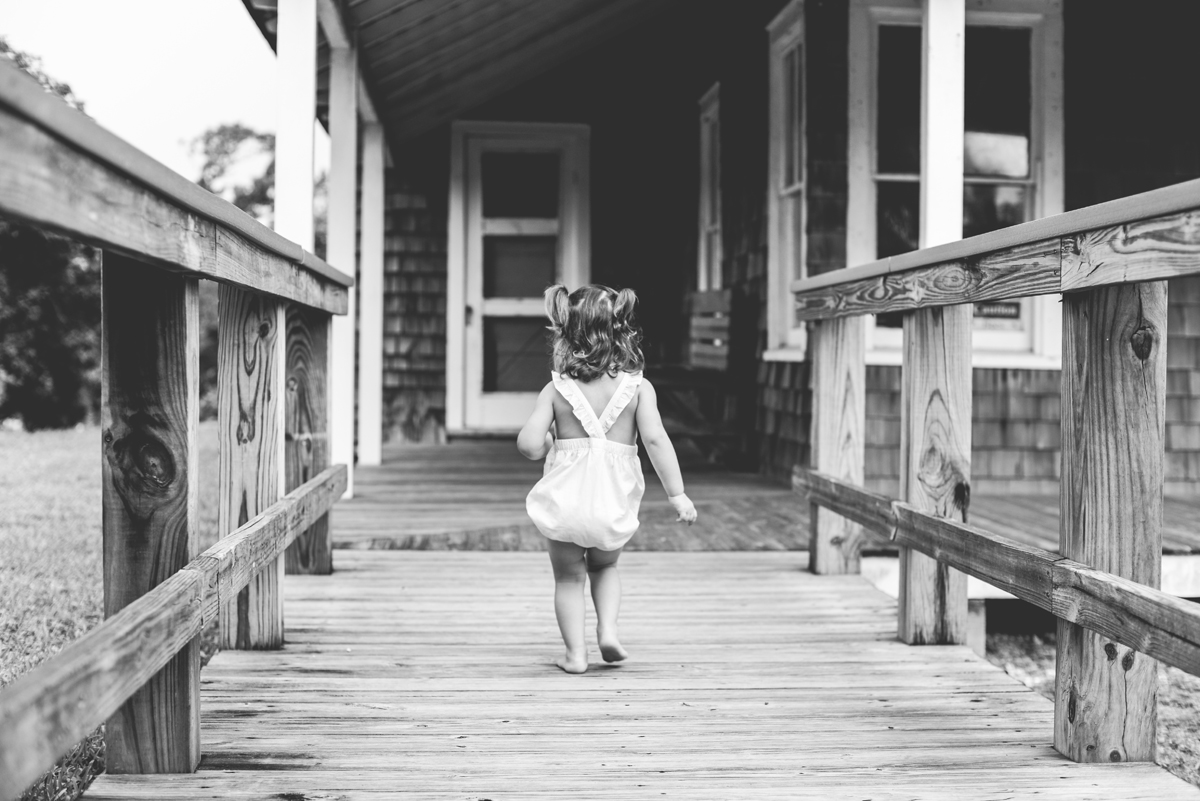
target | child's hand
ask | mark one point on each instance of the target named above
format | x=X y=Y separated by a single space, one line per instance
x=684 y=507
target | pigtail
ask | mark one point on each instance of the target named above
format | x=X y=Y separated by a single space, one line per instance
x=558 y=307
x=623 y=308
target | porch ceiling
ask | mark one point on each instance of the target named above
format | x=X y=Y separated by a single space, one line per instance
x=425 y=62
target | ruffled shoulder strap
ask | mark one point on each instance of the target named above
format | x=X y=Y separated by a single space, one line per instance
x=567 y=387
x=620 y=399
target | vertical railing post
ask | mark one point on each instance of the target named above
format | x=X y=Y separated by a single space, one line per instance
x=150 y=409
x=1113 y=409
x=935 y=465
x=250 y=474
x=838 y=421
x=307 y=450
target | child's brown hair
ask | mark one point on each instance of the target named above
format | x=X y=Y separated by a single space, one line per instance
x=594 y=331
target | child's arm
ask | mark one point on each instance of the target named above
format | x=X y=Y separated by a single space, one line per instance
x=662 y=452
x=535 y=439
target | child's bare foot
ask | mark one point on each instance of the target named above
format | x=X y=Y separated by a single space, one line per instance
x=610 y=647
x=573 y=663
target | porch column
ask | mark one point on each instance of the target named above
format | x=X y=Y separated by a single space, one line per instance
x=297 y=92
x=370 y=353
x=343 y=166
x=935 y=444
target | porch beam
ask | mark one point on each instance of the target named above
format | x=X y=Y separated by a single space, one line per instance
x=341 y=248
x=370 y=356
x=935 y=436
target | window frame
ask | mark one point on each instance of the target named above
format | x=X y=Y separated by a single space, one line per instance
x=1040 y=344
x=709 y=251
x=787 y=212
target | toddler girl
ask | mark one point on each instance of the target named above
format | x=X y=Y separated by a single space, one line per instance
x=587 y=501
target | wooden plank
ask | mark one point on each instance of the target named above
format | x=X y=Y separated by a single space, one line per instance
x=712 y=301
x=869 y=509
x=307 y=429
x=710 y=328
x=48 y=710
x=1114 y=403
x=838 y=424
x=120 y=198
x=709 y=704
x=149 y=413
x=1167 y=202
x=251 y=366
x=1021 y=271
x=1138 y=250
x=935 y=465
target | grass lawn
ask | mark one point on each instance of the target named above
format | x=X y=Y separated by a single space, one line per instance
x=51 y=563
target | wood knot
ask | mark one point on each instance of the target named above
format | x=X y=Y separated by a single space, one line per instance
x=1142 y=342
x=1110 y=651
x=1127 y=662
x=1114 y=756
x=962 y=498
x=1072 y=705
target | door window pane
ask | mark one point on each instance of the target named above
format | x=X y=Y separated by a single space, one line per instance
x=522 y=185
x=518 y=266
x=516 y=354
x=899 y=113
x=997 y=101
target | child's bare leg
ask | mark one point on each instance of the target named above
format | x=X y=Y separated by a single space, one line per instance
x=606 y=595
x=570 y=572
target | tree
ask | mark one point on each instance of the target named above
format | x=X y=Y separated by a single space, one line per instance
x=49 y=310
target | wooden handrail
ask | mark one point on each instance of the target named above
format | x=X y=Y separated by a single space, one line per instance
x=118 y=197
x=49 y=709
x=1150 y=621
x=1146 y=237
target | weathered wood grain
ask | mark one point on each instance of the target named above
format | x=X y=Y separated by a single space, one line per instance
x=51 y=184
x=150 y=409
x=48 y=710
x=935 y=465
x=838 y=424
x=1145 y=209
x=748 y=678
x=1021 y=271
x=1137 y=250
x=250 y=408
x=1114 y=403
x=307 y=419
x=1148 y=620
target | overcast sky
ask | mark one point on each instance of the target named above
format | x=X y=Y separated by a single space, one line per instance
x=155 y=72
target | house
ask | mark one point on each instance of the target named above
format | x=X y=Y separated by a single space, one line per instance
x=707 y=154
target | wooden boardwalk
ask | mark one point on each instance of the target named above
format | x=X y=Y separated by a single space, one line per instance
x=428 y=675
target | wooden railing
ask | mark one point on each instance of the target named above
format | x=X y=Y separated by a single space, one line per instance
x=159 y=234
x=1109 y=261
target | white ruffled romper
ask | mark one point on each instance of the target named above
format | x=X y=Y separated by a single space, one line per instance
x=591 y=489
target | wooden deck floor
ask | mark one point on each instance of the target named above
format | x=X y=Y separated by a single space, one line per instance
x=470 y=495
x=428 y=675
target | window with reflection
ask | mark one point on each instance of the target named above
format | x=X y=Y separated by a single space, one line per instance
x=999 y=187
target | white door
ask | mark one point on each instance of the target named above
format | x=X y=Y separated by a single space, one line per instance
x=523 y=225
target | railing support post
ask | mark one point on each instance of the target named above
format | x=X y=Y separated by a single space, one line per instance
x=307 y=449
x=1113 y=408
x=838 y=422
x=150 y=410
x=251 y=397
x=935 y=465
